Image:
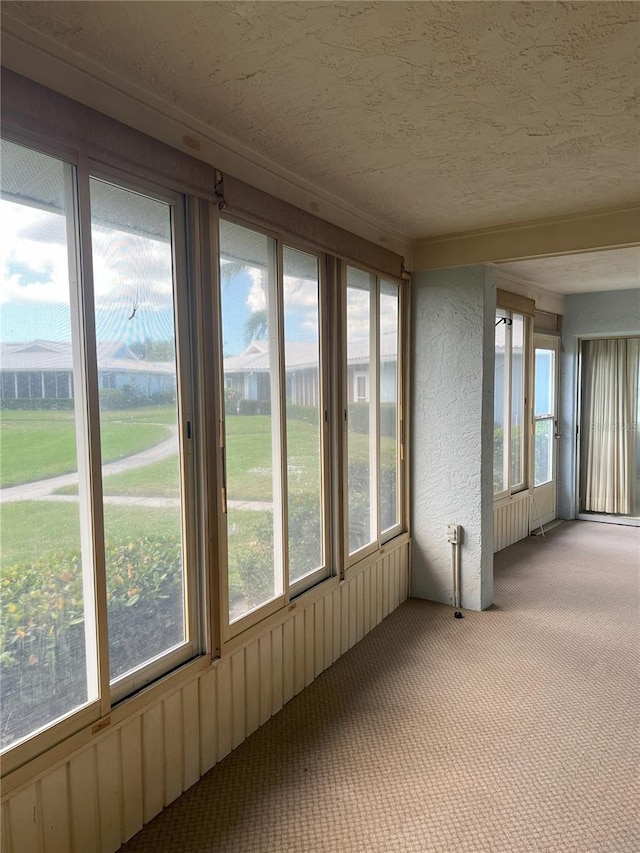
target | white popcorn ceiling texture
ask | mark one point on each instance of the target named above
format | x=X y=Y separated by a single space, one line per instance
x=435 y=117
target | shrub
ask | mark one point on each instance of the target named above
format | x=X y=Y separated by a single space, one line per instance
x=161 y=398
x=36 y=404
x=232 y=398
x=309 y=414
x=42 y=635
x=247 y=407
x=111 y=398
x=359 y=418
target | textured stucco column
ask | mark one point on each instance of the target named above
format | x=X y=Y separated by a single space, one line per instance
x=453 y=314
x=606 y=314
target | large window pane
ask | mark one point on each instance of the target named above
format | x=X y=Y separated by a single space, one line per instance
x=500 y=405
x=247 y=270
x=48 y=662
x=544 y=392
x=543 y=444
x=136 y=347
x=389 y=402
x=304 y=412
x=361 y=444
x=517 y=400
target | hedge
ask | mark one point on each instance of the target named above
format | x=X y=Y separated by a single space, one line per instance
x=36 y=404
x=42 y=643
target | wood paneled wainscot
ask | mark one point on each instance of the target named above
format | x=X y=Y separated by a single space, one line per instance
x=95 y=791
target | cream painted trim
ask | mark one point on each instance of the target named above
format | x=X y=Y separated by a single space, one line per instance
x=515 y=302
x=36 y=56
x=369 y=559
x=273 y=620
x=545 y=300
x=67 y=748
x=568 y=236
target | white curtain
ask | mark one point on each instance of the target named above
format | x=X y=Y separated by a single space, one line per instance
x=609 y=425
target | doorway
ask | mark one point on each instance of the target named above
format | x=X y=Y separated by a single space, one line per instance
x=545 y=430
x=608 y=439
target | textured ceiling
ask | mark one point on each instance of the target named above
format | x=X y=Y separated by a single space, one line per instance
x=436 y=117
x=596 y=271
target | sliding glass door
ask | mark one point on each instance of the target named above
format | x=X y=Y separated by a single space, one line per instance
x=545 y=430
x=609 y=452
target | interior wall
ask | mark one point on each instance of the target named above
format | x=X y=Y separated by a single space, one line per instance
x=453 y=314
x=605 y=314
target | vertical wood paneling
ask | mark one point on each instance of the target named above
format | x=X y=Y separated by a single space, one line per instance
x=337 y=623
x=238 y=701
x=309 y=644
x=359 y=607
x=131 y=781
x=105 y=793
x=84 y=806
x=288 y=660
x=385 y=586
x=173 y=752
x=379 y=576
x=208 y=713
x=511 y=522
x=396 y=568
x=298 y=676
x=366 y=613
x=266 y=678
x=328 y=630
x=224 y=708
x=277 y=669
x=23 y=816
x=54 y=797
x=318 y=640
x=153 y=761
x=252 y=687
x=108 y=752
x=352 y=612
x=5 y=843
x=190 y=735
x=405 y=573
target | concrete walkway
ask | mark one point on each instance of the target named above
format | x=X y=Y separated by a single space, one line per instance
x=45 y=488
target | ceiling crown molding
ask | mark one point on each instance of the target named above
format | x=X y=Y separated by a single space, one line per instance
x=42 y=59
x=615 y=229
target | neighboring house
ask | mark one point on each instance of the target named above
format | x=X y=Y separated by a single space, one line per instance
x=248 y=373
x=44 y=370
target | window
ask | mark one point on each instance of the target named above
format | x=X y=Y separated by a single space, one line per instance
x=544 y=414
x=274 y=430
x=509 y=434
x=111 y=387
x=90 y=539
x=135 y=321
x=373 y=441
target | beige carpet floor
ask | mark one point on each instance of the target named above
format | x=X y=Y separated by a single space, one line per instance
x=511 y=730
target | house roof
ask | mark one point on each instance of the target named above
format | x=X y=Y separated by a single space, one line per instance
x=304 y=354
x=57 y=355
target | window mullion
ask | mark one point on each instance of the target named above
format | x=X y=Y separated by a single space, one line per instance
x=506 y=438
x=89 y=462
x=278 y=412
x=374 y=370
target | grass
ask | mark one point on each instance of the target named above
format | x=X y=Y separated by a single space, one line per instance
x=40 y=444
x=31 y=530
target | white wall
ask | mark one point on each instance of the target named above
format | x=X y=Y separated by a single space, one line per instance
x=453 y=313
x=605 y=314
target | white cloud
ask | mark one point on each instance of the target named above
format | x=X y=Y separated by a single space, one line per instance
x=42 y=273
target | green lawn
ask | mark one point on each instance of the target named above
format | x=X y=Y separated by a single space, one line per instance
x=31 y=530
x=39 y=444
